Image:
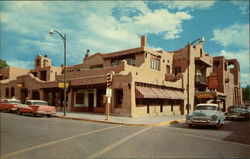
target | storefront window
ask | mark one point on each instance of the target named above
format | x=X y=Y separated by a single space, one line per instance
x=79 y=99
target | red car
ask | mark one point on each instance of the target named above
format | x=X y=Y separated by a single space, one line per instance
x=9 y=105
x=36 y=107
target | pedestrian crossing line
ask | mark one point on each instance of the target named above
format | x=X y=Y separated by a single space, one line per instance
x=110 y=147
x=202 y=137
x=54 y=142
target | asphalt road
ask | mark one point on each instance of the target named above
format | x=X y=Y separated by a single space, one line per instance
x=24 y=137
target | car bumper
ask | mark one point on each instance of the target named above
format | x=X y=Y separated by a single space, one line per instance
x=235 y=117
x=45 y=113
x=201 y=122
x=13 y=109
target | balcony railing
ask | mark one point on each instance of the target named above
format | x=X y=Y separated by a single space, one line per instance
x=201 y=79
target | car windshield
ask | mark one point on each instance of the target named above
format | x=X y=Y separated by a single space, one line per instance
x=247 y=109
x=205 y=107
x=14 y=102
x=236 y=108
x=39 y=103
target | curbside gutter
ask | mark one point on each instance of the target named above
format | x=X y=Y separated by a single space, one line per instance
x=126 y=124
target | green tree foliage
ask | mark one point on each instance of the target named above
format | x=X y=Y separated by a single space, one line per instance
x=3 y=64
x=246 y=94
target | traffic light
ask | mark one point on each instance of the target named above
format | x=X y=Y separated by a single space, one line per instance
x=109 y=80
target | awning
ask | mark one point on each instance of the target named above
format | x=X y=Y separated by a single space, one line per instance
x=172 y=94
x=158 y=93
x=165 y=94
x=180 y=94
x=145 y=92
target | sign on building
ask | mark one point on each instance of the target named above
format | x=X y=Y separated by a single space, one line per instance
x=61 y=84
x=213 y=81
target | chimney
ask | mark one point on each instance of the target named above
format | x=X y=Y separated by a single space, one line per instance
x=144 y=41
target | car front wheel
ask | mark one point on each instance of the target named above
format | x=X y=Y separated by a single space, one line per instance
x=217 y=126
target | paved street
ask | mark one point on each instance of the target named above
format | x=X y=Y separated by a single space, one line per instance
x=25 y=137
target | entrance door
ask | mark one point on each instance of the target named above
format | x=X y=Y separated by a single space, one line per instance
x=91 y=101
x=24 y=95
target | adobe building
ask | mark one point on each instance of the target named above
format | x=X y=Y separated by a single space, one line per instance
x=145 y=82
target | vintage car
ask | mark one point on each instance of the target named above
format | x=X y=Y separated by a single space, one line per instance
x=9 y=105
x=36 y=107
x=238 y=112
x=206 y=114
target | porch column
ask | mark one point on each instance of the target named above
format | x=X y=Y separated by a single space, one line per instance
x=70 y=99
x=41 y=94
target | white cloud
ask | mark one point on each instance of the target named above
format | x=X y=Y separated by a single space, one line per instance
x=244 y=79
x=243 y=6
x=89 y=25
x=21 y=64
x=189 y=4
x=236 y=35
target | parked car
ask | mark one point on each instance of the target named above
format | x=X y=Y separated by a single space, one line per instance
x=238 y=112
x=206 y=114
x=9 y=105
x=36 y=107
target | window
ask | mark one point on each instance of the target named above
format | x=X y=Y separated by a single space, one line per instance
x=168 y=69
x=12 y=92
x=216 y=64
x=43 y=75
x=116 y=62
x=155 y=64
x=131 y=61
x=177 y=70
x=7 y=93
x=37 y=62
x=225 y=68
x=79 y=98
x=201 y=52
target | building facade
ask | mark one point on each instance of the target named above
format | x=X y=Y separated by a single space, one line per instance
x=145 y=82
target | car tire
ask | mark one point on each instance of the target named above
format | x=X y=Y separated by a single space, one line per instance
x=190 y=125
x=217 y=126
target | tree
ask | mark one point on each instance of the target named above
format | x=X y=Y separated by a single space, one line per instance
x=246 y=92
x=3 y=64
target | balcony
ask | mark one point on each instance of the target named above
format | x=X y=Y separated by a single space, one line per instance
x=200 y=80
x=202 y=62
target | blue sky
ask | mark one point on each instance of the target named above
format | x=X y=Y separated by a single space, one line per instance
x=108 y=26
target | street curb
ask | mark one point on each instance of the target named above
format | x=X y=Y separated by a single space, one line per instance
x=125 y=124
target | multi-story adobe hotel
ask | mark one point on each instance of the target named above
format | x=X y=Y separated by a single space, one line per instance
x=145 y=82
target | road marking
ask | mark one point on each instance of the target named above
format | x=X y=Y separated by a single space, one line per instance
x=54 y=142
x=202 y=137
x=110 y=147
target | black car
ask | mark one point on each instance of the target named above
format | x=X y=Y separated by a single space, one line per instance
x=238 y=112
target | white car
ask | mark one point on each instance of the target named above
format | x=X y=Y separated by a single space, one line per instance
x=206 y=114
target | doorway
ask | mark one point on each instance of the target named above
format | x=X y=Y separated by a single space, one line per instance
x=24 y=95
x=91 y=102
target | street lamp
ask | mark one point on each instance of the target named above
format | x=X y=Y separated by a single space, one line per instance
x=201 y=40
x=52 y=32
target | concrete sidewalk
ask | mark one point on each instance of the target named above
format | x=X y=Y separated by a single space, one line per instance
x=142 y=121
